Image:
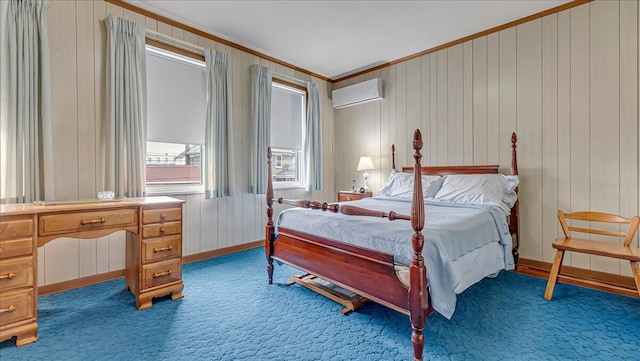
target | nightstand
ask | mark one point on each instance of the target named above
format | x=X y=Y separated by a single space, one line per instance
x=345 y=196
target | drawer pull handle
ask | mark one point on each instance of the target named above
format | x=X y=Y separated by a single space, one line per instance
x=160 y=249
x=162 y=230
x=92 y=221
x=163 y=215
x=11 y=308
x=160 y=274
x=8 y=276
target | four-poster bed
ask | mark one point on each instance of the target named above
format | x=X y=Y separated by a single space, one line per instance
x=368 y=271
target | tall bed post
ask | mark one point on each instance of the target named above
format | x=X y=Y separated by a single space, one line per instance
x=418 y=292
x=269 y=231
x=514 y=224
x=393 y=157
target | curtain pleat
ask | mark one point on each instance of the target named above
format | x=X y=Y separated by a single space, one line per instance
x=125 y=127
x=26 y=148
x=261 y=121
x=219 y=127
x=313 y=140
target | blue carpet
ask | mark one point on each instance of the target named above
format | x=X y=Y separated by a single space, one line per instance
x=230 y=313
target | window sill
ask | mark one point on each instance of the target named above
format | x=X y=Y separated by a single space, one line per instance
x=167 y=190
x=287 y=187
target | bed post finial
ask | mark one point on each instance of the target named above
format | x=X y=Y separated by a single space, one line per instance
x=417 y=142
x=393 y=157
x=269 y=229
x=418 y=293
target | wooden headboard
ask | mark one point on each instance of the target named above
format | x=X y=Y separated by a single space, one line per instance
x=463 y=169
x=456 y=169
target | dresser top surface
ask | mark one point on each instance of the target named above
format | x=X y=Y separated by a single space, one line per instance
x=37 y=208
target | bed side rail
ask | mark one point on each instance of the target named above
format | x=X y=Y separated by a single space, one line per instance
x=344 y=209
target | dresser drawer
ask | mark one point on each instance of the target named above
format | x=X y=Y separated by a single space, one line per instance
x=82 y=221
x=161 y=272
x=347 y=197
x=161 y=215
x=16 y=306
x=16 y=247
x=161 y=229
x=161 y=248
x=352 y=196
x=16 y=273
x=16 y=228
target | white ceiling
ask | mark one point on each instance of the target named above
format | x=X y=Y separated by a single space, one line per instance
x=338 y=38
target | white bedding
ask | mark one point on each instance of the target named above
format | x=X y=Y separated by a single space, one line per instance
x=470 y=268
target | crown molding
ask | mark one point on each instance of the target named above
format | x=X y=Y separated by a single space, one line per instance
x=511 y=24
x=201 y=33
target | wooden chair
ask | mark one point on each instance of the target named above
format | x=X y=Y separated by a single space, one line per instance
x=601 y=248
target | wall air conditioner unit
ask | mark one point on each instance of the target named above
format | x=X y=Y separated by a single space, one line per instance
x=355 y=94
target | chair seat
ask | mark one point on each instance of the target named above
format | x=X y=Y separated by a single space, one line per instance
x=599 y=248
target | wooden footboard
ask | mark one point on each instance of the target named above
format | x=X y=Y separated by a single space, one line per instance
x=360 y=270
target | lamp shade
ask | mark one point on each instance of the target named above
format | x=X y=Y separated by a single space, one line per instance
x=365 y=163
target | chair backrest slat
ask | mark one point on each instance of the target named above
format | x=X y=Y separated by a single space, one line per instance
x=600 y=218
x=597 y=217
x=597 y=231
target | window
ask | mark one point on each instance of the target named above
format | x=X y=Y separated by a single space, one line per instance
x=288 y=114
x=176 y=108
x=172 y=163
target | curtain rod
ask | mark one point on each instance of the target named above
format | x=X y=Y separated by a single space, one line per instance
x=288 y=78
x=184 y=45
x=169 y=40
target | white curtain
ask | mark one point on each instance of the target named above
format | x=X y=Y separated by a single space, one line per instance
x=261 y=122
x=26 y=151
x=313 y=140
x=125 y=128
x=219 y=128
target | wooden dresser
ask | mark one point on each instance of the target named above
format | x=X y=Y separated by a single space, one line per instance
x=153 y=251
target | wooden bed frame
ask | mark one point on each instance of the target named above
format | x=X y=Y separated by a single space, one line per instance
x=368 y=272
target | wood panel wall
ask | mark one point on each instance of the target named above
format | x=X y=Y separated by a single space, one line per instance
x=77 y=39
x=568 y=85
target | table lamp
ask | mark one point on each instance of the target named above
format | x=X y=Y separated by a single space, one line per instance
x=365 y=164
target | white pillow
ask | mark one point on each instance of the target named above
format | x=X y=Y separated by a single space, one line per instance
x=400 y=185
x=510 y=196
x=485 y=189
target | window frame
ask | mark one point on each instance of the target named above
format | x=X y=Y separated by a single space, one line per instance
x=301 y=183
x=176 y=188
